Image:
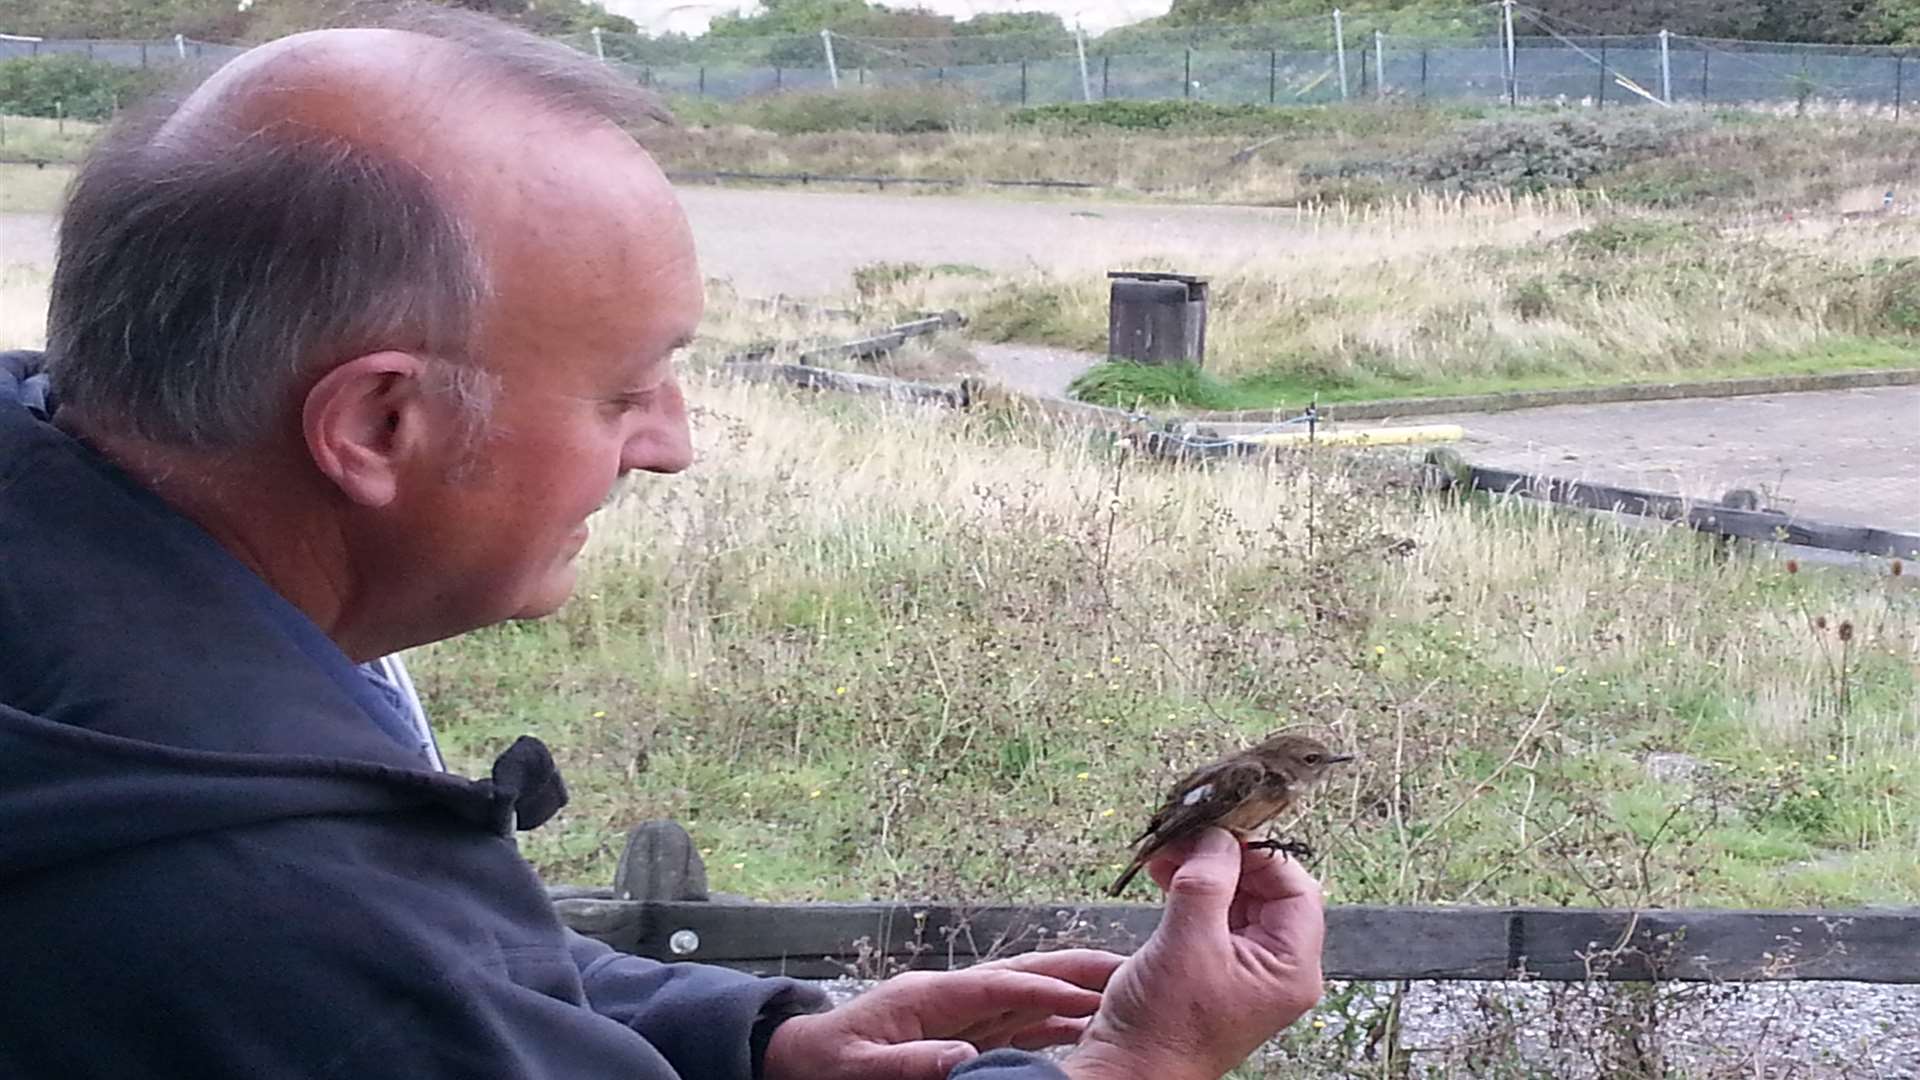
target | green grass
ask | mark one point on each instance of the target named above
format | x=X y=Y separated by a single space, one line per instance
x=1128 y=385
x=1179 y=117
x=27 y=189
x=34 y=139
x=964 y=668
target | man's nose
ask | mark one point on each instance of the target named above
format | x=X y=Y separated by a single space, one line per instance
x=664 y=442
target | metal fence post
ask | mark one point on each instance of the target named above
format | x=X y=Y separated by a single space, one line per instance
x=1023 y=82
x=776 y=77
x=1423 y=74
x=1106 y=69
x=1340 y=51
x=1601 y=102
x=1080 y=48
x=1363 y=73
x=1706 y=57
x=1273 y=75
x=1666 y=68
x=1512 y=59
x=1379 y=65
x=1186 y=76
x=703 y=80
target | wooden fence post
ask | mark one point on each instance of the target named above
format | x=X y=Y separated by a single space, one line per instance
x=660 y=863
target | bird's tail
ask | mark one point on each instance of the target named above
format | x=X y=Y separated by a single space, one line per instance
x=1120 y=884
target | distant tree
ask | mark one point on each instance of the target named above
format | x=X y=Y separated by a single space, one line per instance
x=1012 y=22
x=1896 y=21
x=1837 y=21
x=787 y=18
x=1705 y=18
x=1005 y=37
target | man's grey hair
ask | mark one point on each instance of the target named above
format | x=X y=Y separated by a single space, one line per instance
x=205 y=268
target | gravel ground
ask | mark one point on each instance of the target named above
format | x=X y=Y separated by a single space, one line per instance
x=1776 y=1031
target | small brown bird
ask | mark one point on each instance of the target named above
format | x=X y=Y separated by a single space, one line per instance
x=1240 y=792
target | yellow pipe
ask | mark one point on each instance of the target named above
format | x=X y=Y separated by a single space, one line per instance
x=1388 y=436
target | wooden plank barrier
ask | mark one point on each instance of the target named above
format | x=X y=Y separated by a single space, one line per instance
x=1363 y=941
x=1708 y=517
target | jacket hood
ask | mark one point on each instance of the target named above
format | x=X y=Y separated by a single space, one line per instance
x=68 y=794
x=151 y=686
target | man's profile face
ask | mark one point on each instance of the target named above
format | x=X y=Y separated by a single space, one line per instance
x=596 y=286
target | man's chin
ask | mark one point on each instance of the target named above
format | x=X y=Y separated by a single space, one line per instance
x=550 y=598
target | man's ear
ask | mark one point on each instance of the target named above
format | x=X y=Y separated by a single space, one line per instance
x=366 y=419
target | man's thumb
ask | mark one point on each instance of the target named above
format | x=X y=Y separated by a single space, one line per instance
x=928 y=1059
x=1202 y=886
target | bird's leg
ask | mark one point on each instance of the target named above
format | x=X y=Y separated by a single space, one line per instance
x=1296 y=848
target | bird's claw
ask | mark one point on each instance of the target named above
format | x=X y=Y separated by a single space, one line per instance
x=1296 y=848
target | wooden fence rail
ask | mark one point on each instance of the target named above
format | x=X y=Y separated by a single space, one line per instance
x=1363 y=941
x=1707 y=517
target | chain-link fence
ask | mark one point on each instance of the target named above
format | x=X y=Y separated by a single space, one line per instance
x=1604 y=71
x=1460 y=57
x=141 y=54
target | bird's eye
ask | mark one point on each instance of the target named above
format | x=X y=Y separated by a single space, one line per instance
x=1312 y=759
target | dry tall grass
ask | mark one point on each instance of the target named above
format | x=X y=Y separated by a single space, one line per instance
x=1434 y=292
x=849 y=628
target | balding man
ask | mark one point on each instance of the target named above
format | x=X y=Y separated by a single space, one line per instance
x=345 y=349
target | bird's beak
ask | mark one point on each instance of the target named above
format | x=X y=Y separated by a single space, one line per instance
x=1335 y=759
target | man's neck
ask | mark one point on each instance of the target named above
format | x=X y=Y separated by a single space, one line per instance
x=255 y=504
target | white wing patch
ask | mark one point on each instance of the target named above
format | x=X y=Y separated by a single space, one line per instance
x=1197 y=794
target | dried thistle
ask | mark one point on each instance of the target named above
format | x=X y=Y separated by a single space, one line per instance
x=1793 y=566
x=1846 y=631
x=1897 y=568
x=1819 y=622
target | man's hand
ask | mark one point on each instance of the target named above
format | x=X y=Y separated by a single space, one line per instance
x=1235 y=958
x=919 y=1026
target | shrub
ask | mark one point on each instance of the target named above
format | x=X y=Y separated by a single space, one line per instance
x=1531 y=299
x=887 y=110
x=1186 y=117
x=1206 y=118
x=1885 y=298
x=1622 y=236
x=1125 y=385
x=67 y=85
x=1535 y=153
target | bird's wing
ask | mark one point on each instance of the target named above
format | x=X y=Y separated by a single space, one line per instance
x=1200 y=799
x=1204 y=797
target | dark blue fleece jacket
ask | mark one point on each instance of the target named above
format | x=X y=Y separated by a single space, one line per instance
x=214 y=864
